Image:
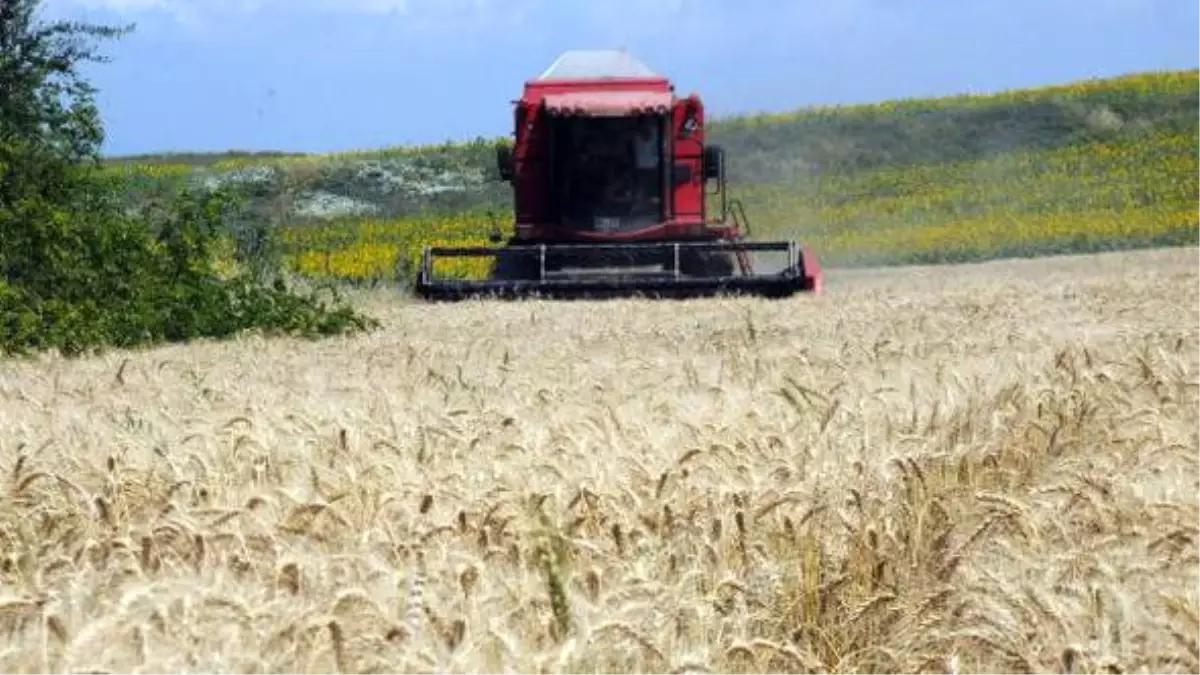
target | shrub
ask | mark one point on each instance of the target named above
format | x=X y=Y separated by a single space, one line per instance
x=79 y=272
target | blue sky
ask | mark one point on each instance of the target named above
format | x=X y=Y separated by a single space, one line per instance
x=327 y=75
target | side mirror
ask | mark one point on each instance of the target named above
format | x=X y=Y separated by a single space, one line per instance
x=714 y=162
x=504 y=162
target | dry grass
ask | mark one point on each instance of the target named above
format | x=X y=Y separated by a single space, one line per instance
x=987 y=468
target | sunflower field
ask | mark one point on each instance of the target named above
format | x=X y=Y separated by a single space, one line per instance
x=369 y=250
x=1081 y=198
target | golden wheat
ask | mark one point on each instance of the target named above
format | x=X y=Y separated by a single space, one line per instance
x=984 y=468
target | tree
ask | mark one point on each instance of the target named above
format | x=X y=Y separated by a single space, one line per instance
x=78 y=272
x=49 y=125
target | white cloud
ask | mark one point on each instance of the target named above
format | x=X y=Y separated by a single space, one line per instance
x=213 y=18
x=218 y=7
x=624 y=22
x=498 y=8
x=694 y=23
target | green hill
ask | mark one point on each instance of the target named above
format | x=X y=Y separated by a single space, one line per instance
x=1091 y=165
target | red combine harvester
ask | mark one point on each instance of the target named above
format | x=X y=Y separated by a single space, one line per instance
x=611 y=176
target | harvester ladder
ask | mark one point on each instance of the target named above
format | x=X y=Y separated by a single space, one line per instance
x=739 y=216
x=743 y=224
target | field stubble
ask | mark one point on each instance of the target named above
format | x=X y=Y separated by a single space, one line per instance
x=978 y=468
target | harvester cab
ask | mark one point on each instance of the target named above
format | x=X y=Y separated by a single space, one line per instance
x=613 y=184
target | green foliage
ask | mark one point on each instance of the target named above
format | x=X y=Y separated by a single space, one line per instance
x=80 y=272
x=130 y=281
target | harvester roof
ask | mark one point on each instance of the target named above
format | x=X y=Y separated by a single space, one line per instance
x=599 y=82
x=591 y=64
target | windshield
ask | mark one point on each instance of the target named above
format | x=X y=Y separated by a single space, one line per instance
x=607 y=174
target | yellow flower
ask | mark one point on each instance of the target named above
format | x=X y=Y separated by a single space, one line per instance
x=1084 y=196
x=386 y=249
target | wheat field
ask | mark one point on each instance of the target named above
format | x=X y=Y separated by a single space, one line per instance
x=947 y=469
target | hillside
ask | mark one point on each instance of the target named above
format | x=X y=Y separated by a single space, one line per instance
x=1092 y=165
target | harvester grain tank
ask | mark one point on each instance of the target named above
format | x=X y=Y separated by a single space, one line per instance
x=614 y=187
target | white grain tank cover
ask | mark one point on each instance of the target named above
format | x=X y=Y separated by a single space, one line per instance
x=596 y=64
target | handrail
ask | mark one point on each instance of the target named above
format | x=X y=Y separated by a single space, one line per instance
x=739 y=216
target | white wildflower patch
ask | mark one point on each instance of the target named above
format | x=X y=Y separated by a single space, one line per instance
x=241 y=176
x=404 y=174
x=328 y=205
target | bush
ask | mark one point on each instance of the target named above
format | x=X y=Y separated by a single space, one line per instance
x=79 y=272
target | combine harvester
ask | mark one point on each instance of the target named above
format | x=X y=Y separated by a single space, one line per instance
x=611 y=175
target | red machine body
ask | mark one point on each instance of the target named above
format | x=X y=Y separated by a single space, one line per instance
x=683 y=213
x=611 y=170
